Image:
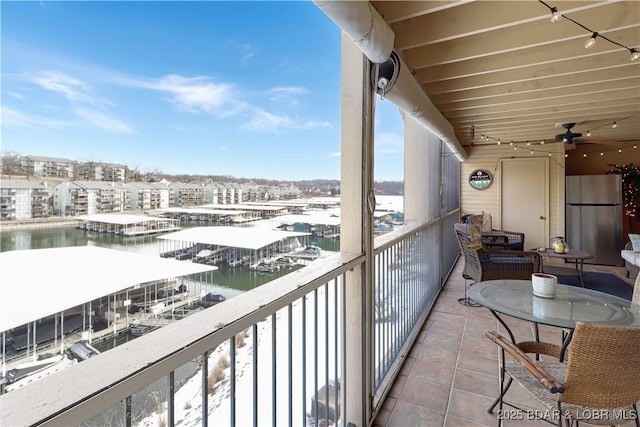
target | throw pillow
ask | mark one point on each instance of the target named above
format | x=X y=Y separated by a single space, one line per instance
x=635 y=242
x=486 y=222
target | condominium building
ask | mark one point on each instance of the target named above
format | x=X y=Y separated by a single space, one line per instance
x=186 y=194
x=90 y=197
x=23 y=199
x=101 y=171
x=145 y=196
x=48 y=167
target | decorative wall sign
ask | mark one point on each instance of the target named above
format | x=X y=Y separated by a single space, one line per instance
x=480 y=179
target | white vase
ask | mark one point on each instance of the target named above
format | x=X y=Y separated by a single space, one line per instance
x=544 y=285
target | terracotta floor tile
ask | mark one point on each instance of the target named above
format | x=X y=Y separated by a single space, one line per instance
x=410 y=415
x=422 y=393
x=451 y=375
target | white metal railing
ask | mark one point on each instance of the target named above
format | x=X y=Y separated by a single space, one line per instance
x=271 y=356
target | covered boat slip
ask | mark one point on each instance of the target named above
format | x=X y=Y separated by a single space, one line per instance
x=318 y=223
x=233 y=245
x=203 y=214
x=45 y=291
x=127 y=225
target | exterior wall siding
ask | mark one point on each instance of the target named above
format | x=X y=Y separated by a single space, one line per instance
x=488 y=200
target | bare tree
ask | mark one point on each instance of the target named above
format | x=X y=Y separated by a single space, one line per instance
x=11 y=163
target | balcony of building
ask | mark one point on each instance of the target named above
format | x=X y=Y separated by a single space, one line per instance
x=373 y=335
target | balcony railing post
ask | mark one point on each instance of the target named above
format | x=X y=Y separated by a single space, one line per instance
x=357 y=205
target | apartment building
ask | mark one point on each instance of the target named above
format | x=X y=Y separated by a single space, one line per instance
x=23 y=199
x=48 y=167
x=187 y=194
x=90 y=197
x=146 y=196
x=102 y=171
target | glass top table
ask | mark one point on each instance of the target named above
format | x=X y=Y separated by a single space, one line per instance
x=514 y=298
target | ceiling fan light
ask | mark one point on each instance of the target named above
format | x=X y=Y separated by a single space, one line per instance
x=635 y=55
x=591 y=41
x=565 y=139
x=555 y=16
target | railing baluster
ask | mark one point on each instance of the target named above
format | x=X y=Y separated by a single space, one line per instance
x=232 y=380
x=255 y=374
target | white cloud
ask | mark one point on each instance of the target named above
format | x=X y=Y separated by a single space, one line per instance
x=14 y=118
x=16 y=95
x=286 y=94
x=194 y=94
x=335 y=154
x=284 y=67
x=265 y=122
x=71 y=88
x=102 y=121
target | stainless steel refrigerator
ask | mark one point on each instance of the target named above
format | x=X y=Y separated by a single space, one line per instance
x=594 y=217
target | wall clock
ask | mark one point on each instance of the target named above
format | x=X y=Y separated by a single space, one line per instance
x=480 y=179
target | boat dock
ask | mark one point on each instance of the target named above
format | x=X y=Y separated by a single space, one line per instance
x=127 y=225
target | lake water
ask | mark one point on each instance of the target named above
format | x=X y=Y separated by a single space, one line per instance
x=232 y=279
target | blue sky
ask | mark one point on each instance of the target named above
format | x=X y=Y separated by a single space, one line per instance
x=248 y=89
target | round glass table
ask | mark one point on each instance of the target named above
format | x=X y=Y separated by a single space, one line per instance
x=514 y=298
x=571 y=304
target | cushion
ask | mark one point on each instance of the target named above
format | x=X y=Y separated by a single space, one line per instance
x=635 y=242
x=631 y=257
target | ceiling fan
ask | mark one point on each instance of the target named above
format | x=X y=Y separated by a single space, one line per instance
x=572 y=138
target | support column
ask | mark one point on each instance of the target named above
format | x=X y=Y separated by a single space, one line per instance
x=356 y=228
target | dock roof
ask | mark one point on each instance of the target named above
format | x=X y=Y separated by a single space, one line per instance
x=236 y=237
x=120 y=219
x=36 y=283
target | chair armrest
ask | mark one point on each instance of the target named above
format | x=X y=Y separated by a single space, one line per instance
x=508 y=264
x=540 y=347
x=519 y=356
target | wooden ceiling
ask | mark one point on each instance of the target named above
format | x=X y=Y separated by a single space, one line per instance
x=504 y=69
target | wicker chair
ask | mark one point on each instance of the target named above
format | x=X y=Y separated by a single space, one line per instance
x=502 y=239
x=491 y=264
x=600 y=383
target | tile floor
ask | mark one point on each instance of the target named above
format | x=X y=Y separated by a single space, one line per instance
x=451 y=376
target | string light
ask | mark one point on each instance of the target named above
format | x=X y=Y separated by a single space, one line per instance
x=588 y=133
x=614 y=125
x=591 y=41
x=555 y=17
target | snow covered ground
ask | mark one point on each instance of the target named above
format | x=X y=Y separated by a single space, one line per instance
x=308 y=369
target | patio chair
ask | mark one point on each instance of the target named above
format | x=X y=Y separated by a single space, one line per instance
x=490 y=264
x=636 y=291
x=600 y=383
x=511 y=240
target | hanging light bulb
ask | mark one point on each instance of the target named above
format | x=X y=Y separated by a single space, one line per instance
x=555 y=16
x=635 y=55
x=619 y=150
x=499 y=142
x=531 y=151
x=614 y=125
x=588 y=133
x=542 y=142
x=584 y=155
x=592 y=40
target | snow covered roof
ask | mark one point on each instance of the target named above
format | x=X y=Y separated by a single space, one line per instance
x=313 y=218
x=121 y=219
x=236 y=237
x=36 y=283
